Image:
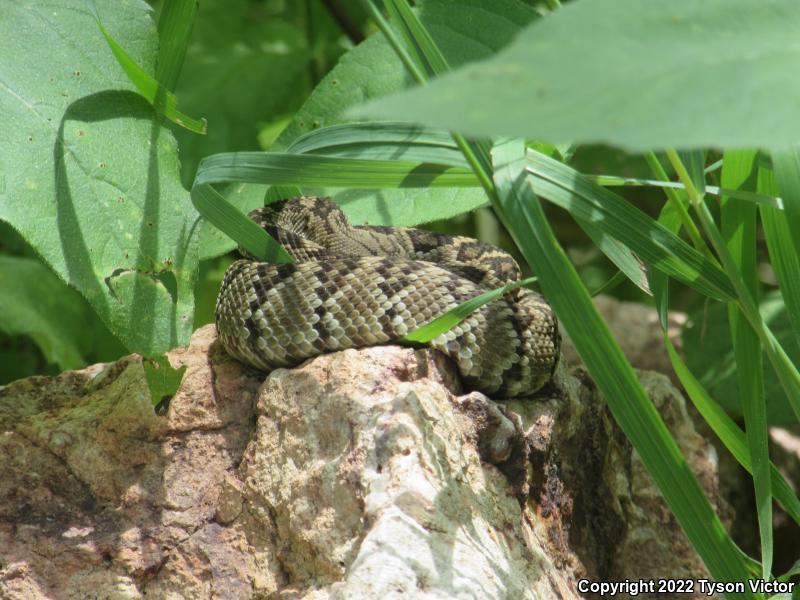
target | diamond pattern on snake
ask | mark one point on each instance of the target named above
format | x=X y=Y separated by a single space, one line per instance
x=357 y=286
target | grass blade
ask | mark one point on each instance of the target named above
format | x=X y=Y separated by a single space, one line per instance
x=728 y=432
x=407 y=142
x=714 y=415
x=311 y=170
x=155 y=93
x=174 y=28
x=382 y=141
x=610 y=370
x=224 y=216
x=650 y=240
x=454 y=316
x=617 y=181
x=738 y=220
x=782 y=254
x=428 y=55
x=786 y=370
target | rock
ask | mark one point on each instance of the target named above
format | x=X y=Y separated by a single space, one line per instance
x=638 y=332
x=360 y=474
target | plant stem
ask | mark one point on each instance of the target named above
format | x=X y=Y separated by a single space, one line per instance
x=345 y=22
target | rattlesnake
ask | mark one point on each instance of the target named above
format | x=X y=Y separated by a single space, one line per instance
x=363 y=286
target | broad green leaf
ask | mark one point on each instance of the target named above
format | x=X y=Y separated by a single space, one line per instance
x=243 y=68
x=89 y=177
x=35 y=303
x=465 y=30
x=738 y=221
x=641 y=75
x=162 y=380
x=612 y=373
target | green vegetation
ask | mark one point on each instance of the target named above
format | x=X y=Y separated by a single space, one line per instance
x=693 y=202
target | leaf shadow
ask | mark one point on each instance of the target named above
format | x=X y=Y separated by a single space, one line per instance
x=82 y=260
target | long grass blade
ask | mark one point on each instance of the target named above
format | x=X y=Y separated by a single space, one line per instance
x=406 y=142
x=609 y=368
x=738 y=221
x=174 y=28
x=617 y=181
x=652 y=242
x=445 y=322
x=782 y=254
x=310 y=170
x=714 y=415
x=786 y=370
x=155 y=93
x=728 y=432
x=215 y=209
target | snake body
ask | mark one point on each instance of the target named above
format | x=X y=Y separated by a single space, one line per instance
x=352 y=287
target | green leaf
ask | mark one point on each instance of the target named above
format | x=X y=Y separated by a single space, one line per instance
x=402 y=141
x=739 y=170
x=641 y=75
x=454 y=316
x=756 y=198
x=785 y=369
x=89 y=177
x=728 y=432
x=174 y=27
x=651 y=241
x=714 y=415
x=708 y=351
x=382 y=141
x=34 y=302
x=614 y=376
x=218 y=212
x=793 y=570
x=782 y=229
x=162 y=380
x=314 y=170
x=155 y=93
x=302 y=169
x=465 y=30
x=243 y=68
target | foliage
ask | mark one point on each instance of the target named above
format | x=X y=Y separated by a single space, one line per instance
x=95 y=190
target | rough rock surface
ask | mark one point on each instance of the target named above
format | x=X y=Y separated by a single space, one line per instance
x=638 y=332
x=360 y=474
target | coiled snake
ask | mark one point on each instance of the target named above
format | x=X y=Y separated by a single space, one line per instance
x=363 y=286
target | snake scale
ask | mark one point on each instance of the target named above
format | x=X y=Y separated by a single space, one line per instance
x=352 y=287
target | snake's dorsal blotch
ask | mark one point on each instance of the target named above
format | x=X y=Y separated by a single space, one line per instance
x=362 y=286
